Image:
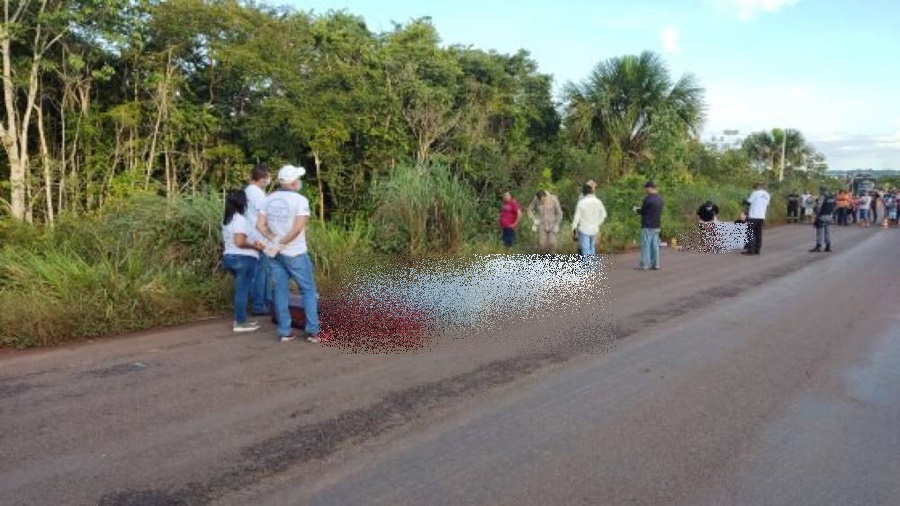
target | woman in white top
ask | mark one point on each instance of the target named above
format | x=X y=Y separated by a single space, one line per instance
x=240 y=256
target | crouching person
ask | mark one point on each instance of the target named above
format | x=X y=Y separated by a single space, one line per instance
x=708 y=214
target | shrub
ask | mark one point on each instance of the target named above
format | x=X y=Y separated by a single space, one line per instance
x=423 y=209
x=148 y=263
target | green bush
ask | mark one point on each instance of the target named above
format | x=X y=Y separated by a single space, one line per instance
x=146 y=263
x=142 y=262
x=334 y=248
x=421 y=210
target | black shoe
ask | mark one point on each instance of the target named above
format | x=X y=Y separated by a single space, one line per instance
x=817 y=249
x=828 y=248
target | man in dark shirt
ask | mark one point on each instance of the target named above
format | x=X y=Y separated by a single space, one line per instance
x=874 y=209
x=708 y=214
x=825 y=206
x=651 y=217
x=793 y=205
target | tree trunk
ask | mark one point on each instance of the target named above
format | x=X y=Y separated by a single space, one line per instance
x=10 y=134
x=161 y=114
x=45 y=160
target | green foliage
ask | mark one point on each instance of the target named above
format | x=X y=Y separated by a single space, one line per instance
x=626 y=102
x=150 y=109
x=335 y=247
x=148 y=262
x=421 y=210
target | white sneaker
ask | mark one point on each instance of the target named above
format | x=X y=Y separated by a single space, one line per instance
x=287 y=339
x=245 y=327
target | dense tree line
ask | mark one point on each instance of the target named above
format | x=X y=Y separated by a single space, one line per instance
x=104 y=99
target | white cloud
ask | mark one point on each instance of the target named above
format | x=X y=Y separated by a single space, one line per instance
x=834 y=120
x=859 y=152
x=669 y=39
x=889 y=141
x=750 y=9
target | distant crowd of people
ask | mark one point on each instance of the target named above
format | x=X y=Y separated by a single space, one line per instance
x=865 y=209
x=546 y=216
x=822 y=211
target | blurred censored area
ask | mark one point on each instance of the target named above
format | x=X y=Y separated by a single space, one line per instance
x=714 y=237
x=532 y=303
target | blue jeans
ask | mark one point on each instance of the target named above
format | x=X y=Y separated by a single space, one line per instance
x=261 y=294
x=649 y=248
x=586 y=243
x=242 y=267
x=300 y=269
x=509 y=237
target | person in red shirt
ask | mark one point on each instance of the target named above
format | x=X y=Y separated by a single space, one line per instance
x=510 y=212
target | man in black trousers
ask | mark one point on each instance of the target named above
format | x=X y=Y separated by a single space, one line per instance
x=793 y=207
x=756 y=217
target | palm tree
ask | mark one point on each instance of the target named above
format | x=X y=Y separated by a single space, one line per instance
x=762 y=149
x=617 y=105
x=765 y=149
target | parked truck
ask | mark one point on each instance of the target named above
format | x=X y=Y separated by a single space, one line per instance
x=862 y=183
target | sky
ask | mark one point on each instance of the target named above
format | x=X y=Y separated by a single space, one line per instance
x=829 y=68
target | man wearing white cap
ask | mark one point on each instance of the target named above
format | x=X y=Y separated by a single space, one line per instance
x=283 y=223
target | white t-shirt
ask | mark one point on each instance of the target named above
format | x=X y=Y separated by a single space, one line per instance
x=759 y=202
x=256 y=199
x=865 y=202
x=281 y=209
x=589 y=215
x=238 y=225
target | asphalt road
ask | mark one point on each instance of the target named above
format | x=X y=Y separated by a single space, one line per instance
x=721 y=379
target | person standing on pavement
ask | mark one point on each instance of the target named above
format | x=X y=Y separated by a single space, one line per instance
x=261 y=291
x=589 y=217
x=651 y=222
x=283 y=222
x=793 y=207
x=865 y=206
x=890 y=208
x=240 y=257
x=756 y=217
x=593 y=185
x=873 y=212
x=843 y=208
x=546 y=215
x=510 y=213
x=809 y=204
x=825 y=207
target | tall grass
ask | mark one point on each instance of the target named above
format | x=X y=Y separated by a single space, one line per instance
x=145 y=263
x=151 y=261
x=336 y=249
x=141 y=263
x=423 y=209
